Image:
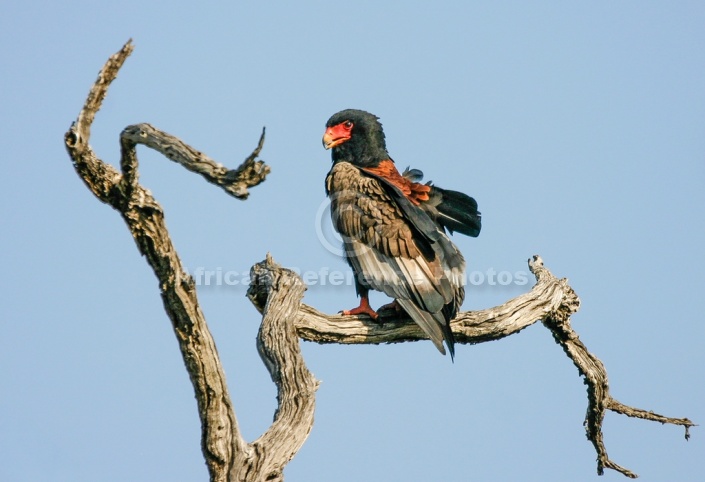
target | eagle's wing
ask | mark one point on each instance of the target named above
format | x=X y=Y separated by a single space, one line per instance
x=394 y=249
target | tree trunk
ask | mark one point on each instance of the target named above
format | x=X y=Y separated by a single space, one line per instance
x=277 y=293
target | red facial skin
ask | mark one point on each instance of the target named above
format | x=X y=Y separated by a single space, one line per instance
x=337 y=134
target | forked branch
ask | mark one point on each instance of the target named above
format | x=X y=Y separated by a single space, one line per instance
x=277 y=293
x=551 y=301
x=228 y=456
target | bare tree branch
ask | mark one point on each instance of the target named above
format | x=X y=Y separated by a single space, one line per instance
x=223 y=446
x=551 y=301
x=548 y=295
x=599 y=398
x=233 y=181
x=277 y=294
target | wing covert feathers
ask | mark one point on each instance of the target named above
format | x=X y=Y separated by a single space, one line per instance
x=395 y=247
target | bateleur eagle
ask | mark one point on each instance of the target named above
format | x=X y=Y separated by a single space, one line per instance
x=394 y=227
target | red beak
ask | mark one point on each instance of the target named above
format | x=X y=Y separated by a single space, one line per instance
x=335 y=136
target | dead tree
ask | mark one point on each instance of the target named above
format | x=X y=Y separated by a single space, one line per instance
x=277 y=293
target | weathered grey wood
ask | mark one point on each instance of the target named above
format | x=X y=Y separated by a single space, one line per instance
x=551 y=301
x=548 y=295
x=233 y=181
x=221 y=441
x=277 y=293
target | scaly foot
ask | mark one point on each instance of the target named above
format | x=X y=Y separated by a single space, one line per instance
x=364 y=308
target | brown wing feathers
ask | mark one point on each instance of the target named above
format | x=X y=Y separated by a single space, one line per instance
x=382 y=245
x=394 y=227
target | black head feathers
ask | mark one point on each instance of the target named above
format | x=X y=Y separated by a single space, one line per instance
x=357 y=137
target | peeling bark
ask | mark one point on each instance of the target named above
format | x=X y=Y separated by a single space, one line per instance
x=277 y=294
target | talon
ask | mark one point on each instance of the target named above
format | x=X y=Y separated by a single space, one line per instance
x=363 y=309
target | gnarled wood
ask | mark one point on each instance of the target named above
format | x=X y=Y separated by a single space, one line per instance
x=233 y=181
x=277 y=293
x=548 y=295
x=220 y=441
x=551 y=301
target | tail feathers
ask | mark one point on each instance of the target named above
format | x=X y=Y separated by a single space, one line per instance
x=457 y=212
x=433 y=324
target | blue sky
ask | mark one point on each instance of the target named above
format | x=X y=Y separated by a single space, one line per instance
x=578 y=127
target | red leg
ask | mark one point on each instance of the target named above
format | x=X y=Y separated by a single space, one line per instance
x=364 y=308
